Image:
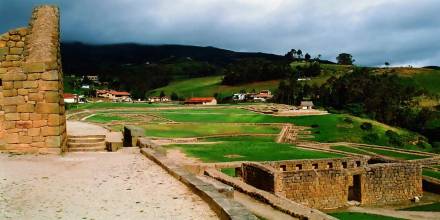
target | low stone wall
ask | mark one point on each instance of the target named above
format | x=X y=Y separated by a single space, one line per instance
x=319 y=186
x=391 y=183
x=132 y=134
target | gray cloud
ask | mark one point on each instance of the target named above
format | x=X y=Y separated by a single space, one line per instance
x=402 y=32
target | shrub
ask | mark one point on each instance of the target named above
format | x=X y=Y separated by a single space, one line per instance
x=366 y=126
x=348 y=120
x=394 y=138
x=371 y=138
x=314 y=126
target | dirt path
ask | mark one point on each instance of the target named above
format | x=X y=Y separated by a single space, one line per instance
x=120 y=185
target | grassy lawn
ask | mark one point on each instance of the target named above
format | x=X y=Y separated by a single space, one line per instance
x=328 y=128
x=228 y=171
x=434 y=207
x=431 y=173
x=393 y=154
x=249 y=150
x=350 y=150
x=360 y=216
x=104 y=118
x=103 y=105
x=205 y=129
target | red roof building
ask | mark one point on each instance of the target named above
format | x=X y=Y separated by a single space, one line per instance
x=202 y=101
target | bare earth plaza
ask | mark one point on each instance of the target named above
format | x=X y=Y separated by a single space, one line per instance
x=118 y=157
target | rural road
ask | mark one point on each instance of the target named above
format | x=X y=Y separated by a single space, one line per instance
x=120 y=185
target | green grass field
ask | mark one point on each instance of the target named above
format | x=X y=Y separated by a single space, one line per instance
x=350 y=150
x=104 y=105
x=208 y=86
x=249 y=150
x=331 y=127
x=397 y=155
x=205 y=129
x=104 y=118
x=360 y=216
x=434 y=207
x=431 y=173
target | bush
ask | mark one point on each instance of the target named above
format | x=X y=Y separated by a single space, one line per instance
x=314 y=126
x=348 y=120
x=394 y=138
x=366 y=126
x=371 y=138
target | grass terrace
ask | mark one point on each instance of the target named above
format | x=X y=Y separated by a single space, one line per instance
x=205 y=129
x=249 y=149
x=350 y=150
x=394 y=154
x=431 y=173
x=360 y=216
x=434 y=207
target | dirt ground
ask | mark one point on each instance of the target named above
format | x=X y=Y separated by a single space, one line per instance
x=120 y=185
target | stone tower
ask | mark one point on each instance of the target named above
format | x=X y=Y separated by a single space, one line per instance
x=32 y=113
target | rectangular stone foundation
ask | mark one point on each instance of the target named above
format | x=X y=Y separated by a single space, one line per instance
x=32 y=114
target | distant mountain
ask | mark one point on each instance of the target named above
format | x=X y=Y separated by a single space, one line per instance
x=79 y=58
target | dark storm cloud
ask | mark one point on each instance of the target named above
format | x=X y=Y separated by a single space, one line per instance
x=402 y=32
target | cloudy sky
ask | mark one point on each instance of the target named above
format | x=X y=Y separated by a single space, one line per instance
x=402 y=32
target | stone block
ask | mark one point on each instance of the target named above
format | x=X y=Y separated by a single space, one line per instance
x=24 y=116
x=12 y=138
x=18 y=84
x=30 y=84
x=16 y=51
x=22 y=92
x=25 y=139
x=12 y=57
x=50 y=108
x=33 y=76
x=39 y=123
x=23 y=124
x=15 y=37
x=2 y=43
x=53 y=141
x=8 y=85
x=19 y=44
x=34 y=67
x=3 y=70
x=12 y=116
x=36 y=97
x=50 y=131
x=10 y=93
x=16 y=100
x=10 y=108
x=49 y=85
x=50 y=75
x=54 y=120
x=9 y=124
x=26 y=108
x=33 y=132
x=52 y=97
x=35 y=116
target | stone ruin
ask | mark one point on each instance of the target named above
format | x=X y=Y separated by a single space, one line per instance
x=32 y=113
x=332 y=183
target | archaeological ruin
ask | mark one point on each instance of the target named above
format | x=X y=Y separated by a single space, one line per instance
x=332 y=183
x=32 y=113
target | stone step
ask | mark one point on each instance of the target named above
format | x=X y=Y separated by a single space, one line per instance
x=85 y=145
x=87 y=149
x=87 y=136
x=85 y=140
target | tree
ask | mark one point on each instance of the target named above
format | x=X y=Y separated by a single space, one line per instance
x=162 y=94
x=299 y=53
x=174 y=96
x=387 y=64
x=345 y=59
x=307 y=57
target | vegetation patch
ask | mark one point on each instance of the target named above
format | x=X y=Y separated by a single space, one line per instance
x=350 y=150
x=431 y=173
x=394 y=154
x=360 y=216
x=105 y=118
x=250 y=150
x=205 y=129
x=229 y=171
x=434 y=207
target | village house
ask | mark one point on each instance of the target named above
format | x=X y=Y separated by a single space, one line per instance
x=239 y=97
x=115 y=96
x=70 y=98
x=158 y=99
x=306 y=105
x=263 y=96
x=202 y=101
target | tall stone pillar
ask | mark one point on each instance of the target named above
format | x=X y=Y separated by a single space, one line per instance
x=32 y=86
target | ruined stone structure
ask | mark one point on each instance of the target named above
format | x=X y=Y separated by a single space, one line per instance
x=331 y=183
x=32 y=114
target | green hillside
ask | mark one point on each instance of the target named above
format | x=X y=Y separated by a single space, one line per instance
x=208 y=86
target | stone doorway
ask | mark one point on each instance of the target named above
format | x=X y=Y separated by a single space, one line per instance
x=354 y=191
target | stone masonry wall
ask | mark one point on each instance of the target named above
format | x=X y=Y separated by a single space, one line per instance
x=326 y=187
x=32 y=114
x=391 y=183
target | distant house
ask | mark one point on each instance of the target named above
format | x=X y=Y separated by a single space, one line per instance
x=239 y=97
x=158 y=99
x=263 y=96
x=94 y=78
x=201 y=101
x=115 y=96
x=70 y=98
x=306 y=105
